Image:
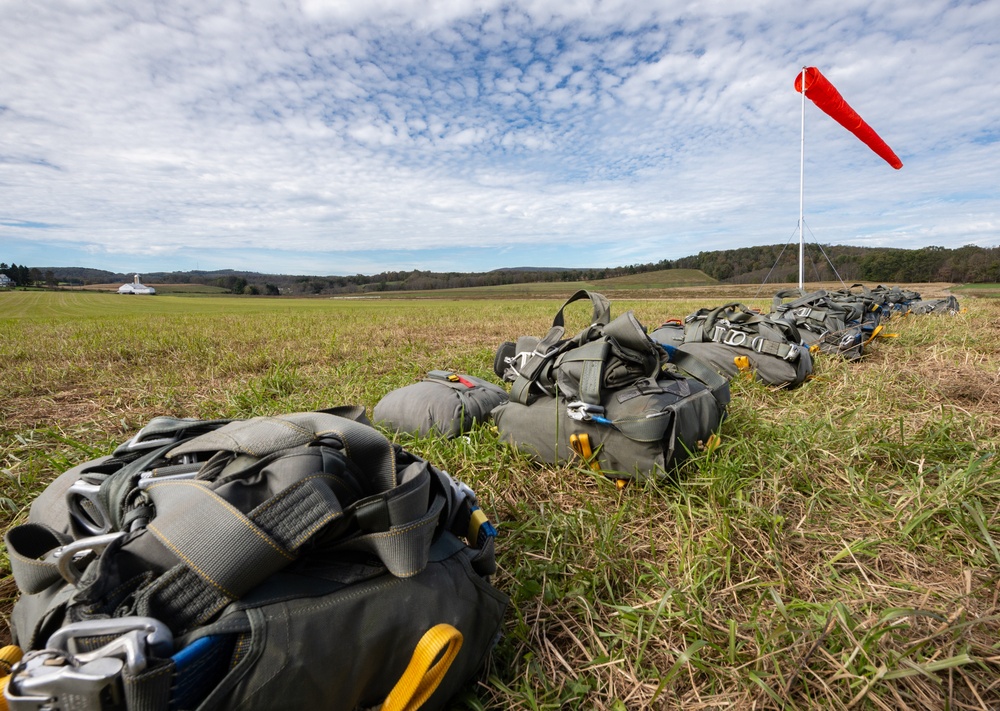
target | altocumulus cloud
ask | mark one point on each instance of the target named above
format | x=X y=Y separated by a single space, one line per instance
x=334 y=137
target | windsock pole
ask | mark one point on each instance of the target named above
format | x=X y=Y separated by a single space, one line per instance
x=802 y=173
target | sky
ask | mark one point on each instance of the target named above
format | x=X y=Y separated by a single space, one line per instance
x=335 y=137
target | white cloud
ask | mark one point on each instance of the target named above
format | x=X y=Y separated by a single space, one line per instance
x=639 y=130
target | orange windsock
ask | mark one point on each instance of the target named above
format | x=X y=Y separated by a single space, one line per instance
x=825 y=95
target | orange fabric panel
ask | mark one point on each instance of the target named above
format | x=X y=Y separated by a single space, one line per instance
x=825 y=95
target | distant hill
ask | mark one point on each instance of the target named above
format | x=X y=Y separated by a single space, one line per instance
x=746 y=265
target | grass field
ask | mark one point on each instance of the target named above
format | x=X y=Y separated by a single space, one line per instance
x=839 y=550
x=986 y=291
x=160 y=288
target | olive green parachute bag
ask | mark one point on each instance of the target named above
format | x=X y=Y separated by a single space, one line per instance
x=301 y=561
x=608 y=397
x=734 y=339
x=825 y=324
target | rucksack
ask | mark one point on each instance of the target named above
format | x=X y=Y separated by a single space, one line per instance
x=947 y=305
x=824 y=324
x=732 y=338
x=894 y=298
x=445 y=402
x=296 y=561
x=607 y=397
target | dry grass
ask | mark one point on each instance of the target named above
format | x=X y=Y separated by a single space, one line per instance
x=838 y=551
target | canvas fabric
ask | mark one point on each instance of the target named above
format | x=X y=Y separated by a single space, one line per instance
x=723 y=335
x=947 y=305
x=304 y=559
x=641 y=413
x=443 y=402
x=831 y=326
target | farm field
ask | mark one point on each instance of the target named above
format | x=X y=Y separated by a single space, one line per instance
x=839 y=550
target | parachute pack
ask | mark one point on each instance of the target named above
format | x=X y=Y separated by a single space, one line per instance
x=732 y=338
x=609 y=397
x=444 y=402
x=831 y=326
x=299 y=561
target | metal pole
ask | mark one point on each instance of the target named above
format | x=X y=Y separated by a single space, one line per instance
x=802 y=172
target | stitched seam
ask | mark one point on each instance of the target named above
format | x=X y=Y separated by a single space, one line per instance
x=233 y=511
x=159 y=535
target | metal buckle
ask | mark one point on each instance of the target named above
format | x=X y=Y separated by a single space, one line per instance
x=730 y=338
x=135 y=637
x=460 y=490
x=187 y=469
x=582 y=412
x=65 y=557
x=138 y=444
x=47 y=679
x=86 y=508
x=56 y=678
x=585 y=412
x=793 y=353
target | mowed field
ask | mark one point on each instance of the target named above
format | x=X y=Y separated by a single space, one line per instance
x=839 y=550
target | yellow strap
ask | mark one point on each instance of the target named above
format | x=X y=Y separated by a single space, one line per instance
x=9 y=656
x=477 y=519
x=878 y=330
x=742 y=362
x=423 y=674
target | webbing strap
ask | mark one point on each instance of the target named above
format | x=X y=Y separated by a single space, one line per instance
x=742 y=339
x=527 y=375
x=194 y=524
x=431 y=660
x=702 y=372
x=261 y=436
x=601 y=313
x=778 y=304
x=552 y=344
x=593 y=356
x=403 y=548
x=27 y=545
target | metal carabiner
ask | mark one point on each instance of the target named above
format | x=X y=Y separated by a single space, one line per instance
x=66 y=556
x=60 y=677
x=136 y=638
x=47 y=679
x=86 y=508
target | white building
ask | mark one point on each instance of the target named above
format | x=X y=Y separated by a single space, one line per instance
x=136 y=287
x=5 y=281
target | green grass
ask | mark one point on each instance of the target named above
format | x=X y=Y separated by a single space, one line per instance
x=983 y=291
x=840 y=549
x=663 y=279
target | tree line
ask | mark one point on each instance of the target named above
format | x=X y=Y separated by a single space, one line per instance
x=21 y=275
x=745 y=265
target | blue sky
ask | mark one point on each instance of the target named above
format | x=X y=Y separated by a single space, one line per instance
x=338 y=137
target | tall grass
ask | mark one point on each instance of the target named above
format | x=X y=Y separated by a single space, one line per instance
x=839 y=550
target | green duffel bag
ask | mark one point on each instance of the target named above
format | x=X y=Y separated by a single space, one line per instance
x=445 y=402
x=947 y=305
x=641 y=431
x=825 y=325
x=732 y=338
x=609 y=396
x=299 y=561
